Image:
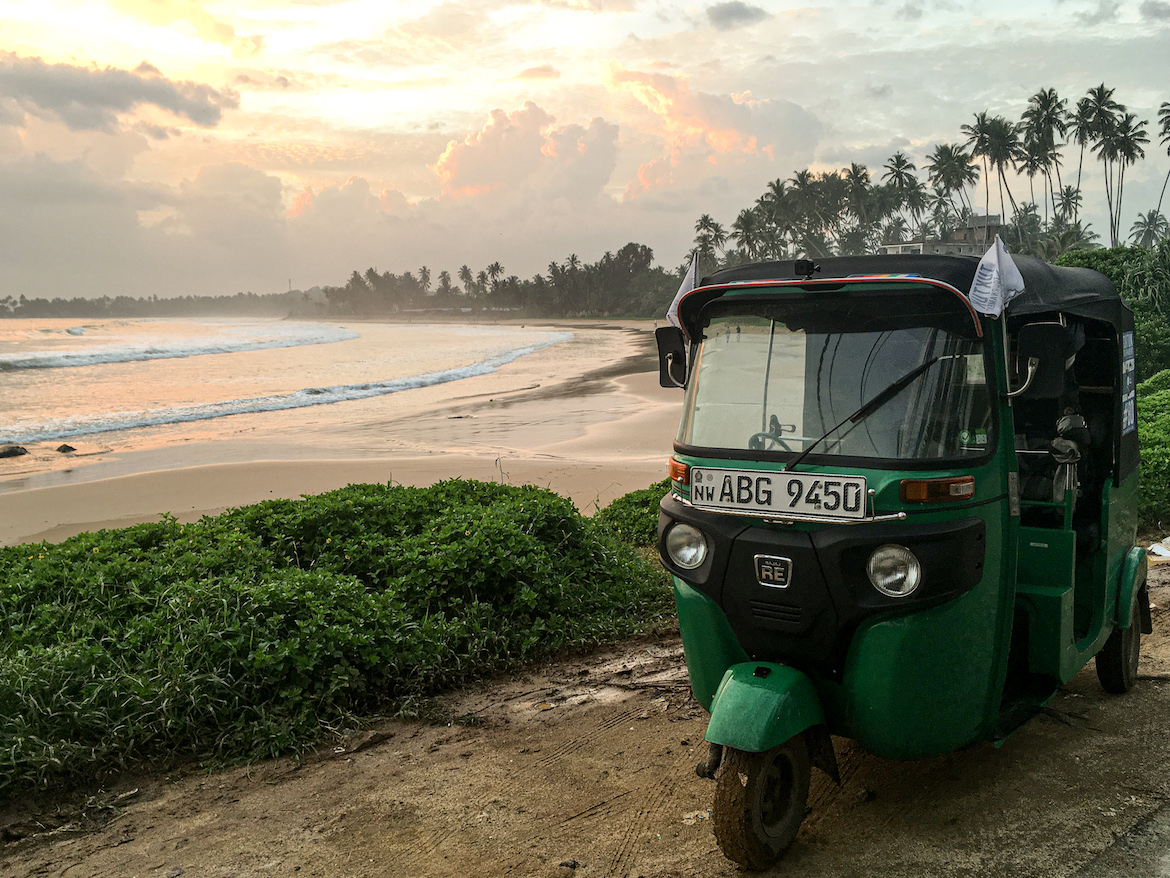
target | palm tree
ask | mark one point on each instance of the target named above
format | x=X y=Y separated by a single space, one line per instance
x=710 y=237
x=1003 y=149
x=424 y=279
x=1119 y=144
x=978 y=139
x=1131 y=137
x=1081 y=124
x=1149 y=229
x=1164 y=125
x=467 y=279
x=776 y=210
x=1071 y=237
x=491 y=275
x=1032 y=162
x=895 y=230
x=899 y=171
x=748 y=232
x=950 y=171
x=1104 y=114
x=1044 y=121
x=1068 y=204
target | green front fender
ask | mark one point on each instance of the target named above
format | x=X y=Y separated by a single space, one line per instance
x=760 y=705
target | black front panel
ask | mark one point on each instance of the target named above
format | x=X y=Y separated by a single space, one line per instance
x=776 y=599
x=798 y=596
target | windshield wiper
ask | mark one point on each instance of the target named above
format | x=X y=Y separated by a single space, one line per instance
x=868 y=408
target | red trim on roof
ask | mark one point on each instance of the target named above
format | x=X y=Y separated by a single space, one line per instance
x=838 y=281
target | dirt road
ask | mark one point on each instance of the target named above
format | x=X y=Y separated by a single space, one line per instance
x=586 y=768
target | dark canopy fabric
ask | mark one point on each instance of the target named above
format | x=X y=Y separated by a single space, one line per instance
x=1047 y=288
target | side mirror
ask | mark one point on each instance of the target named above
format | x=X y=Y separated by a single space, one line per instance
x=1042 y=348
x=672 y=356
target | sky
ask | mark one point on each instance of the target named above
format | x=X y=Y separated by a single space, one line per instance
x=184 y=147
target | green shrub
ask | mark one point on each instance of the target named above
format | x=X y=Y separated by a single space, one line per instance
x=1153 y=417
x=1161 y=381
x=633 y=518
x=246 y=634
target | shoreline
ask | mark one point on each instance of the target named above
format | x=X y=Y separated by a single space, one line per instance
x=587 y=429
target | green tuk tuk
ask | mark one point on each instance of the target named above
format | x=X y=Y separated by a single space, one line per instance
x=893 y=518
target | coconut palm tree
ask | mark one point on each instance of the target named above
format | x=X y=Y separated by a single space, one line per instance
x=1068 y=204
x=467 y=279
x=1071 y=237
x=1105 y=114
x=748 y=232
x=710 y=237
x=1032 y=162
x=1131 y=138
x=1080 y=125
x=950 y=171
x=1119 y=144
x=899 y=171
x=978 y=138
x=1004 y=149
x=1149 y=229
x=1164 y=130
x=1045 y=123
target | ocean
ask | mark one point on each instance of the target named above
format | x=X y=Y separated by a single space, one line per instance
x=128 y=380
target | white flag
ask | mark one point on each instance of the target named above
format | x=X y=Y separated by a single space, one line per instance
x=689 y=282
x=997 y=280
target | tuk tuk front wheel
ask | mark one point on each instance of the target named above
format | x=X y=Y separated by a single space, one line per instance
x=760 y=800
x=1117 y=662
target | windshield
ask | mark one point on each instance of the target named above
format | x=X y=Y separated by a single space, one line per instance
x=780 y=375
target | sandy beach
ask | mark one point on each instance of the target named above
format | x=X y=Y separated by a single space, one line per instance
x=586 y=419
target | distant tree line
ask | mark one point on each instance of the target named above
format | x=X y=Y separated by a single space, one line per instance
x=239 y=305
x=621 y=284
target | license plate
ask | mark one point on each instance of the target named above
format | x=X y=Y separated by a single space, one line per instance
x=778 y=493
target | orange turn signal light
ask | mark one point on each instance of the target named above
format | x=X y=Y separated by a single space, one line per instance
x=680 y=472
x=938 y=490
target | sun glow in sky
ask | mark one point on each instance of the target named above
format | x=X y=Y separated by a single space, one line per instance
x=188 y=147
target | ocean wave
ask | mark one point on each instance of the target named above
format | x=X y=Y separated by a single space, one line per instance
x=309 y=396
x=284 y=335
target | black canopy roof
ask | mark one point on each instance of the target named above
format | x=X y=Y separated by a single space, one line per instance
x=1047 y=288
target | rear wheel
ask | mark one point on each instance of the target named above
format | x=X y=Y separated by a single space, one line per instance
x=1117 y=662
x=760 y=800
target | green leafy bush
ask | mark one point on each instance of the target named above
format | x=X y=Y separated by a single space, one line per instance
x=1142 y=277
x=1153 y=417
x=245 y=634
x=633 y=518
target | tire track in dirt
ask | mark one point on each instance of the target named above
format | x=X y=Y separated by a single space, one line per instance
x=568 y=747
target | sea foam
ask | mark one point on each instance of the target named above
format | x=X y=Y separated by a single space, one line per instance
x=230 y=341
x=65 y=428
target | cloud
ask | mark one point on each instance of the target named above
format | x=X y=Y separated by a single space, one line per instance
x=163 y=13
x=1106 y=11
x=718 y=124
x=525 y=152
x=1156 y=10
x=86 y=98
x=733 y=14
x=544 y=71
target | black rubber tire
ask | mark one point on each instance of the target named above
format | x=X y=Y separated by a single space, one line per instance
x=1117 y=662
x=760 y=800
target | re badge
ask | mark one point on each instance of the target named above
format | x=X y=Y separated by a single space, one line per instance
x=773 y=571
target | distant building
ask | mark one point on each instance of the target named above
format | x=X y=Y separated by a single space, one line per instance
x=972 y=239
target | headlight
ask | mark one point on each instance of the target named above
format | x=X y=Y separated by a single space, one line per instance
x=686 y=546
x=894 y=571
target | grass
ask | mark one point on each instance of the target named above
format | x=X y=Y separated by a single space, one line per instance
x=251 y=633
